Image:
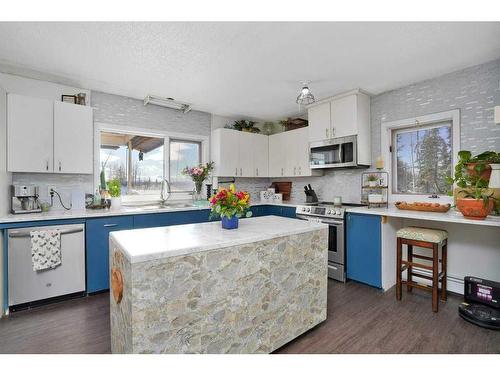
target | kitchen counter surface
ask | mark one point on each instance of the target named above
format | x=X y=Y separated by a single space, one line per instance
x=140 y=245
x=124 y=210
x=451 y=216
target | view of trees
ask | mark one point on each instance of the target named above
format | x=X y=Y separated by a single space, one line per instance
x=423 y=159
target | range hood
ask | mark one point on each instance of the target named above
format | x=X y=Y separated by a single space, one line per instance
x=339 y=152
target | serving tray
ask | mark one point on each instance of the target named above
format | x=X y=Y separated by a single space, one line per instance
x=423 y=206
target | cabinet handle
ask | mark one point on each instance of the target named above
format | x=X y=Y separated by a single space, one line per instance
x=47 y=166
x=282 y=171
x=257 y=172
x=236 y=172
x=326 y=132
x=300 y=171
x=333 y=131
x=110 y=225
x=294 y=171
x=241 y=171
x=59 y=166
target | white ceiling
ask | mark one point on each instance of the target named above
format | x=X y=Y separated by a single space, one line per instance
x=245 y=69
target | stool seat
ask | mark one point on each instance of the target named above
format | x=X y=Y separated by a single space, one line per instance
x=422 y=234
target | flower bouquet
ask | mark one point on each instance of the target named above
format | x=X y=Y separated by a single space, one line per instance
x=230 y=205
x=198 y=175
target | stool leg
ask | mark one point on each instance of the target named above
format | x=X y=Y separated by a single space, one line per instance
x=399 y=254
x=435 y=277
x=444 y=267
x=409 y=278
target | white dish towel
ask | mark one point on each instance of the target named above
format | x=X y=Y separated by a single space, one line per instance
x=45 y=249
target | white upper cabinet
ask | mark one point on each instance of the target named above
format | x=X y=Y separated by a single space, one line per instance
x=260 y=155
x=277 y=155
x=48 y=137
x=73 y=138
x=341 y=116
x=29 y=134
x=319 y=122
x=225 y=152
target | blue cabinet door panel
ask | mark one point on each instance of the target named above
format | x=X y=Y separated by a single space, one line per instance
x=170 y=218
x=364 y=262
x=97 y=243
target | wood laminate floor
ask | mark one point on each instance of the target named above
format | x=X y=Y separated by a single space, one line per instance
x=360 y=320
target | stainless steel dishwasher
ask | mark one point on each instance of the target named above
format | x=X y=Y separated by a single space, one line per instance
x=26 y=285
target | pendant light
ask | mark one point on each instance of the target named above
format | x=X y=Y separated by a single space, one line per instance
x=305 y=97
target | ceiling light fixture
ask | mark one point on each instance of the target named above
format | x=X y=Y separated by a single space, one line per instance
x=167 y=102
x=305 y=97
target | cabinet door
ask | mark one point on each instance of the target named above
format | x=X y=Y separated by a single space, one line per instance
x=277 y=155
x=319 y=122
x=364 y=262
x=30 y=133
x=225 y=153
x=73 y=138
x=260 y=154
x=302 y=152
x=97 y=239
x=344 y=116
x=246 y=155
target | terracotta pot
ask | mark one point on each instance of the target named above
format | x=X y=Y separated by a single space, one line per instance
x=474 y=208
x=485 y=175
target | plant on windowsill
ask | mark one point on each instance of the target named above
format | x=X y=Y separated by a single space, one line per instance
x=477 y=166
x=115 y=191
x=230 y=205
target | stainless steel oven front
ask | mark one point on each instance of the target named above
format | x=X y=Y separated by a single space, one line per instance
x=336 y=249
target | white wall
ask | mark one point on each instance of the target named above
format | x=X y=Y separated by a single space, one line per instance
x=5 y=180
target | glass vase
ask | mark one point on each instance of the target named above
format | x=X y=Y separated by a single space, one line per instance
x=198 y=198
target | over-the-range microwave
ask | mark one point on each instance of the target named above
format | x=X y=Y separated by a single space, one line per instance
x=339 y=152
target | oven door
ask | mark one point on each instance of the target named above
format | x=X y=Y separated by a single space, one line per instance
x=335 y=240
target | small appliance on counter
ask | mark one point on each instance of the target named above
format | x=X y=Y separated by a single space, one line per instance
x=311 y=196
x=24 y=199
x=481 y=304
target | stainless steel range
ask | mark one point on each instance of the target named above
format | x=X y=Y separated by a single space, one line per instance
x=328 y=213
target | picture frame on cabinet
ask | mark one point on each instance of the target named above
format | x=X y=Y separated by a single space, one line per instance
x=68 y=99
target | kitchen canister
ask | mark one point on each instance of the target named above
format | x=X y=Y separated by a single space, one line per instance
x=277 y=198
x=495 y=176
x=266 y=196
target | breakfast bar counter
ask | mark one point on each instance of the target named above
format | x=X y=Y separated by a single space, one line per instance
x=198 y=288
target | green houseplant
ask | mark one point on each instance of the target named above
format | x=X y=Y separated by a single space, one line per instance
x=372 y=180
x=115 y=191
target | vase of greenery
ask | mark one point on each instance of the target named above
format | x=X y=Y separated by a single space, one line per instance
x=115 y=191
x=199 y=174
x=372 y=180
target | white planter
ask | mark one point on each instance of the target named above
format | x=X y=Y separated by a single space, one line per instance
x=116 y=203
x=372 y=183
x=495 y=177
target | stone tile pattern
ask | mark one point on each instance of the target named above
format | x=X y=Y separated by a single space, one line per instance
x=123 y=111
x=245 y=299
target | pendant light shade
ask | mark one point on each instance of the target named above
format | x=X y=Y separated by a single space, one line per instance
x=305 y=97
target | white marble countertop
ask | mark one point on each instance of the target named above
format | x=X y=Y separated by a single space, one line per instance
x=140 y=245
x=451 y=216
x=124 y=210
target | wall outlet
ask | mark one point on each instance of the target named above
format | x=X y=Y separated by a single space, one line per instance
x=49 y=188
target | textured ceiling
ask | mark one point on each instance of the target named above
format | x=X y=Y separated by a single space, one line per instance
x=245 y=69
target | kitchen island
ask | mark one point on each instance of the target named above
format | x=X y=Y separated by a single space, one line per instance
x=198 y=288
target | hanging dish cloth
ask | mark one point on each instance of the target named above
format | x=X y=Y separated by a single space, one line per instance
x=45 y=249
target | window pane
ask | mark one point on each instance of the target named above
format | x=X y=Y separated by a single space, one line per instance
x=144 y=174
x=183 y=154
x=423 y=160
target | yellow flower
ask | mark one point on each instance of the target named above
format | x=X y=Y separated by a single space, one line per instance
x=232 y=188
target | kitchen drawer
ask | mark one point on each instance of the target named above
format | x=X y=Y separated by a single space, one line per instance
x=97 y=245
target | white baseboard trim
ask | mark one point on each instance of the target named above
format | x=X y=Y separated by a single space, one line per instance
x=454 y=284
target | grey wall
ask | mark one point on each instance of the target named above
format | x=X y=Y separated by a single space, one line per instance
x=475 y=91
x=123 y=111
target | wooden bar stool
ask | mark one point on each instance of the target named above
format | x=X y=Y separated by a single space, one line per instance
x=430 y=239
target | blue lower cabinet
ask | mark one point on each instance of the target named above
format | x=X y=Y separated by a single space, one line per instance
x=280 y=211
x=288 y=212
x=97 y=243
x=363 y=242
x=171 y=218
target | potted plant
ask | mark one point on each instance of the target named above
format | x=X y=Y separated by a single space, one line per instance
x=198 y=174
x=372 y=180
x=477 y=166
x=115 y=191
x=230 y=205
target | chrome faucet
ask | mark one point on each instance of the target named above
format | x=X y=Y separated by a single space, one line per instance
x=164 y=195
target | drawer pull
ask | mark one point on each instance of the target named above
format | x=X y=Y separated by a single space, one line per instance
x=110 y=225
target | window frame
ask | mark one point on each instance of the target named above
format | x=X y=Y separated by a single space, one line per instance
x=424 y=121
x=100 y=127
x=184 y=140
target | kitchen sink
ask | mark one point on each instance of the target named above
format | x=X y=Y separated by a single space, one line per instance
x=158 y=205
